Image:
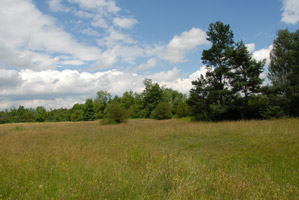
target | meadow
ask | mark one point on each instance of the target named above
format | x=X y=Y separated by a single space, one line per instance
x=148 y=159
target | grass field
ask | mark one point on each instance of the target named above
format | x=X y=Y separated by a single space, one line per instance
x=146 y=159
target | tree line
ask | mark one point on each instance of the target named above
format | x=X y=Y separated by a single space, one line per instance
x=231 y=89
x=146 y=104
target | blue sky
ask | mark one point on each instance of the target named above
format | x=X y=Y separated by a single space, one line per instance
x=59 y=52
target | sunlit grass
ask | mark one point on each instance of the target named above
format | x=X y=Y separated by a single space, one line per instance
x=146 y=159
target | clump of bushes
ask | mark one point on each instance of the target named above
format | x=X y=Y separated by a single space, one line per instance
x=162 y=111
x=114 y=114
x=77 y=115
x=182 y=109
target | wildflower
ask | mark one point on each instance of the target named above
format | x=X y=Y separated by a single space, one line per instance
x=40 y=186
x=164 y=157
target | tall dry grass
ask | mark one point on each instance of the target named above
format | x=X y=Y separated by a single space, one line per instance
x=146 y=159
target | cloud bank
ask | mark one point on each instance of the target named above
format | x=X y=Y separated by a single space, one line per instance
x=54 y=89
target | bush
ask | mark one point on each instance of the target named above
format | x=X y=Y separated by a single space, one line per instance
x=114 y=114
x=162 y=111
x=2 y=120
x=182 y=109
x=77 y=115
x=41 y=114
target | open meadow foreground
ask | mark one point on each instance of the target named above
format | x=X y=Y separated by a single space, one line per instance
x=147 y=159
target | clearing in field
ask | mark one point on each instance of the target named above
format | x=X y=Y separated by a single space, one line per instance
x=146 y=159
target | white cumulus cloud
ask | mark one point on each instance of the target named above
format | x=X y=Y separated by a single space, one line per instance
x=263 y=54
x=290 y=10
x=55 y=89
x=175 y=51
x=100 y=5
x=250 y=47
x=124 y=22
x=57 y=6
x=34 y=38
x=149 y=64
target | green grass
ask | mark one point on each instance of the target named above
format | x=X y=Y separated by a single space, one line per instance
x=147 y=159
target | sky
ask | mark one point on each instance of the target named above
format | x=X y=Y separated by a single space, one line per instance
x=55 y=53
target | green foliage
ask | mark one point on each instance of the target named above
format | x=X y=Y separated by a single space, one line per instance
x=2 y=120
x=272 y=112
x=151 y=97
x=40 y=114
x=217 y=59
x=181 y=109
x=173 y=97
x=231 y=80
x=245 y=72
x=284 y=68
x=128 y=99
x=71 y=111
x=197 y=100
x=283 y=56
x=162 y=111
x=100 y=103
x=88 y=111
x=58 y=115
x=114 y=114
x=77 y=115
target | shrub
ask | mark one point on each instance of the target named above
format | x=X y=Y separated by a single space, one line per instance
x=182 y=109
x=2 y=120
x=162 y=111
x=114 y=114
x=41 y=114
x=77 y=115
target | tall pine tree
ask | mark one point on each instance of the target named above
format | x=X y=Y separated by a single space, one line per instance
x=244 y=78
x=217 y=60
x=231 y=80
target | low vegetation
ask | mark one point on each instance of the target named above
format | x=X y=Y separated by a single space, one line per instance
x=114 y=114
x=149 y=159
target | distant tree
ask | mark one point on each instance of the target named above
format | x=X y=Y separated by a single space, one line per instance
x=162 y=111
x=73 y=109
x=284 y=69
x=198 y=99
x=100 y=103
x=88 y=111
x=77 y=115
x=12 y=115
x=116 y=99
x=173 y=97
x=136 y=110
x=21 y=114
x=284 y=56
x=2 y=120
x=151 y=97
x=29 y=115
x=114 y=114
x=40 y=114
x=128 y=99
x=58 y=115
x=181 y=109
